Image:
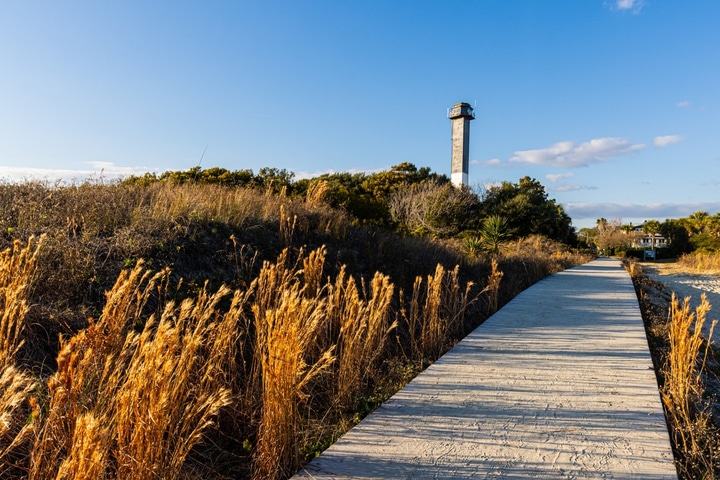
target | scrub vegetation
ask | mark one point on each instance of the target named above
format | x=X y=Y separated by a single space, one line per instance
x=215 y=324
x=687 y=366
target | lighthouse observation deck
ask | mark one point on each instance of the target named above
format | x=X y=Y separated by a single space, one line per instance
x=460 y=110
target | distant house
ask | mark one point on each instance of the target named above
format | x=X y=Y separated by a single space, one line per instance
x=644 y=240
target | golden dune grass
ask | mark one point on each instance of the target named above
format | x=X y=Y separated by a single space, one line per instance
x=437 y=307
x=690 y=421
x=280 y=363
x=128 y=403
x=363 y=320
x=287 y=323
x=17 y=268
x=706 y=262
x=140 y=387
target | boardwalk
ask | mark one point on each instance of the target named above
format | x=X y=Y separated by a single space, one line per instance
x=558 y=384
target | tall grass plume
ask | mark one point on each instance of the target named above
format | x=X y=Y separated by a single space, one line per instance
x=17 y=269
x=684 y=388
x=129 y=403
x=363 y=321
x=436 y=311
x=286 y=323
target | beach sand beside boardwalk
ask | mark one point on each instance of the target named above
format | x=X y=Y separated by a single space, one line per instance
x=685 y=282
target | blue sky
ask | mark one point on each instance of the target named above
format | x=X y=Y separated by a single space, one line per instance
x=613 y=105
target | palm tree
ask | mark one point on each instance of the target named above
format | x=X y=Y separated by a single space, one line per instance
x=651 y=227
x=699 y=221
x=714 y=225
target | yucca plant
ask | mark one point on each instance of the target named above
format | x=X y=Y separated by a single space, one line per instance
x=494 y=231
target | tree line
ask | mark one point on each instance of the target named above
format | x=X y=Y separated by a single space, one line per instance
x=699 y=231
x=409 y=200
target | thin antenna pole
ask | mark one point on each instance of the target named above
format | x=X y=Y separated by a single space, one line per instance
x=202 y=156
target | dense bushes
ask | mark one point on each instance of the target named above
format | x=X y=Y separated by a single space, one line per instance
x=405 y=199
x=227 y=278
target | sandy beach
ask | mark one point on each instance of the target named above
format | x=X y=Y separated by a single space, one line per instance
x=687 y=283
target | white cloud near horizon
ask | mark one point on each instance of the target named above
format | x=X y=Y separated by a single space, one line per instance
x=660 y=211
x=352 y=171
x=572 y=187
x=665 y=140
x=96 y=170
x=493 y=162
x=488 y=184
x=568 y=155
x=554 y=177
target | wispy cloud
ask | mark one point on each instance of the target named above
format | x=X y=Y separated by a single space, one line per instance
x=572 y=187
x=488 y=184
x=633 y=6
x=683 y=104
x=554 y=177
x=493 y=162
x=665 y=140
x=95 y=170
x=352 y=171
x=580 y=211
x=568 y=155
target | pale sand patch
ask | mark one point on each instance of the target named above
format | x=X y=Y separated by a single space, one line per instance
x=689 y=283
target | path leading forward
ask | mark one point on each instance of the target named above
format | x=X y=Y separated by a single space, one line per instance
x=558 y=384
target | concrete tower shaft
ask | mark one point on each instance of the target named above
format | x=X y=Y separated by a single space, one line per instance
x=461 y=114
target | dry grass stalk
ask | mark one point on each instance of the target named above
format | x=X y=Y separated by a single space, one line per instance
x=443 y=310
x=173 y=386
x=317 y=193
x=456 y=300
x=132 y=405
x=89 y=449
x=412 y=320
x=683 y=391
x=436 y=313
x=434 y=327
x=17 y=268
x=633 y=267
x=363 y=330
x=74 y=388
x=313 y=266
x=272 y=279
x=493 y=288
x=15 y=431
x=287 y=226
x=287 y=322
x=701 y=261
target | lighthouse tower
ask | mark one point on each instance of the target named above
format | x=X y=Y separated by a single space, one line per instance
x=460 y=114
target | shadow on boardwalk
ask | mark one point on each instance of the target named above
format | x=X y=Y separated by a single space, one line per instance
x=558 y=384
